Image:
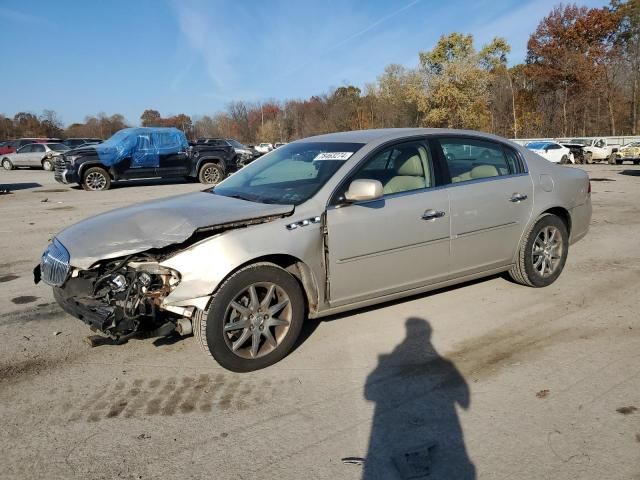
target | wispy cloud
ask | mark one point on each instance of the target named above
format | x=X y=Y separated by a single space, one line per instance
x=350 y=38
x=19 y=17
x=208 y=39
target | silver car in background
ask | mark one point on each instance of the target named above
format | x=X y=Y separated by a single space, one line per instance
x=316 y=227
x=40 y=155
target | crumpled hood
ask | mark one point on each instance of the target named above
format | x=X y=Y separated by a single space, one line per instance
x=156 y=224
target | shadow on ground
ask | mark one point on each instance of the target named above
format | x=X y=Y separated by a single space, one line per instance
x=416 y=431
x=12 y=187
x=631 y=173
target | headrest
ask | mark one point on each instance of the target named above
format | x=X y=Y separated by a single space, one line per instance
x=484 y=171
x=411 y=167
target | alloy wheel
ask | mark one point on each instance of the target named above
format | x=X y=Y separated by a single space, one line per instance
x=96 y=181
x=547 y=251
x=212 y=175
x=257 y=320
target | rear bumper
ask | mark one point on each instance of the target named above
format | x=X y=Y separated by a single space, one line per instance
x=580 y=220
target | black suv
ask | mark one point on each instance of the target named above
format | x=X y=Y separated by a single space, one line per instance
x=245 y=154
x=135 y=153
x=77 y=142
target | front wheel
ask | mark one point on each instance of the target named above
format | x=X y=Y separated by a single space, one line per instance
x=564 y=160
x=96 y=179
x=254 y=318
x=47 y=164
x=6 y=164
x=211 y=174
x=588 y=157
x=542 y=253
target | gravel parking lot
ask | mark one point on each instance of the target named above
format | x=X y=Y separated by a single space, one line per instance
x=529 y=383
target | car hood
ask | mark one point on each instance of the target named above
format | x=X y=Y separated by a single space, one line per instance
x=157 y=224
x=81 y=151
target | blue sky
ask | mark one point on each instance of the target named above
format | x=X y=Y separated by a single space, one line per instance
x=177 y=56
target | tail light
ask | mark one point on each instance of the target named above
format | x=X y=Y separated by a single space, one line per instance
x=589 y=188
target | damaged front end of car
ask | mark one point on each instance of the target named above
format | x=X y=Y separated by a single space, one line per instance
x=117 y=297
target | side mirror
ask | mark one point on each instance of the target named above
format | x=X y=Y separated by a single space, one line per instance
x=363 y=190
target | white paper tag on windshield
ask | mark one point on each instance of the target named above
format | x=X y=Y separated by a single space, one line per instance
x=333 y=156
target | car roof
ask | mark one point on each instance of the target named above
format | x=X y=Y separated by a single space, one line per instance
x=388 y=134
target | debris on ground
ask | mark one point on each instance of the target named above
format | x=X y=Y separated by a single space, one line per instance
x=143 y=436
x=44 y=200
x=353 y=460
x=627 y=410
x=415 y=463
x=56 y=333
x=543 y=393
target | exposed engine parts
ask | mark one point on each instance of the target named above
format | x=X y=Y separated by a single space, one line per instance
x=122 y=296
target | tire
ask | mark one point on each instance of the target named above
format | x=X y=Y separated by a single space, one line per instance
x=96 y=179
x=211 y=174
x=209 y=327
x=564 y=160
x=588 y=157
x=613 y=160
x=526 y=271
x=47 y=164
x=636 y=162
x=6 y=164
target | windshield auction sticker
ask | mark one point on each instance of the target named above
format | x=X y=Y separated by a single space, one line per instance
x=333 y=156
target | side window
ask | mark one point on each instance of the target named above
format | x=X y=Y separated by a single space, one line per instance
x=24 y=149
x=554 y=146
x=37 y=148
x=400 y=168
x=470 y=159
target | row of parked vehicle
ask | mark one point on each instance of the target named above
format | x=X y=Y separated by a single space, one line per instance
x=132 y=153
x=586 y=150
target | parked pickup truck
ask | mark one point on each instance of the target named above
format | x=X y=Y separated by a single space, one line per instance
x=135 y=153
x=595 y=149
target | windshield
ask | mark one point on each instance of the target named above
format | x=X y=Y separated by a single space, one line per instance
x=582 y=141
x=57 y=147
x=235 y=143
x=537 y=145
x=289 y=175
x=119 y=136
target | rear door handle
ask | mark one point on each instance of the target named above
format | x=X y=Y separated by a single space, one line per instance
x=518 y=197
x=432 y=214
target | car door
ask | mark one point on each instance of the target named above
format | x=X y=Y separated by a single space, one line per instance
x=38 y=152
x=393 y=244
x=172 y=154
x=24 y=156
x=555 y=152
x=491 y=197
x=144 y=158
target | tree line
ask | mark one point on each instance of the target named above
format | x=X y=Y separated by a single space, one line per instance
x=581 y=77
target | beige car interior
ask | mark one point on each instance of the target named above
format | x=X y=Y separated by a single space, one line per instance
x=480 y=171
x=411 y=166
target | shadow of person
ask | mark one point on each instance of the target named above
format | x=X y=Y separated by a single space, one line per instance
x=416 y=432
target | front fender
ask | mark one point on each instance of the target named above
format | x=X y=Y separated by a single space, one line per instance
x=205 y=265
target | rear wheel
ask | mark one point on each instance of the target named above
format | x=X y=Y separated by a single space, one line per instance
x=96 y=179
x=6 y=164
x=211 y=174
x=543 y=253
x=564 y=160
x=47 y=164
x=254 y=318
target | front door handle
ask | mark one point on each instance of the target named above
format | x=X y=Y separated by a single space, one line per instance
x=518 y=197
x=432 y=214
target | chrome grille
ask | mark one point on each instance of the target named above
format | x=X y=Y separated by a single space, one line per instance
x=60 y=166
x=54 y=265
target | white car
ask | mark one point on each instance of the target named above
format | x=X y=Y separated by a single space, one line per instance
x=552 y=151
x=34 y=155
x=264 y=148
